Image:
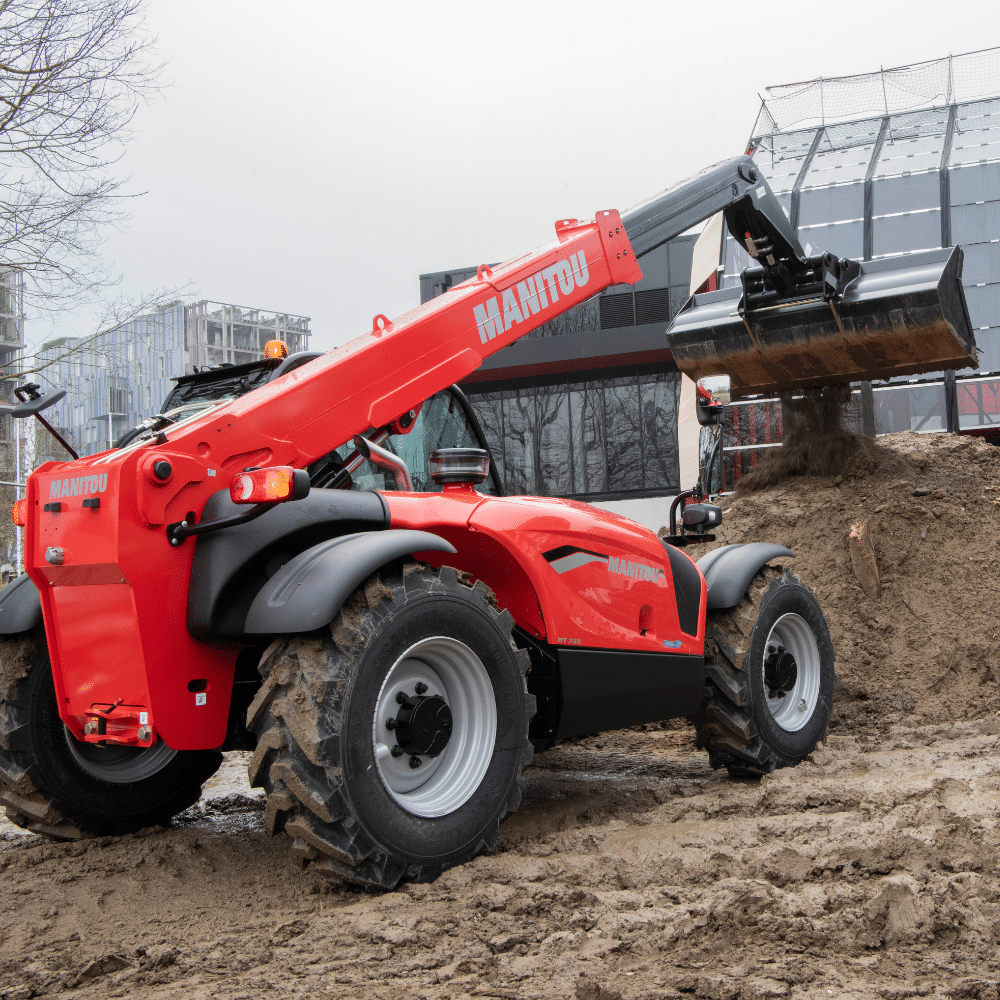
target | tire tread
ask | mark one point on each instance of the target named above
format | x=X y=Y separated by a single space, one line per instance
x=725 y=723
x=304 y=672
x=29 y=802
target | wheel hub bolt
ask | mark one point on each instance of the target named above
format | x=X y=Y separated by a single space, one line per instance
x=397 y=751
x=421 y=687
x=780 y=671
x=391 y=723
x=415 y=762
x=402 y=697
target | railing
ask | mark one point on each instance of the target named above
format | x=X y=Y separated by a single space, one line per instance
x=965 y=404
x=971 y=76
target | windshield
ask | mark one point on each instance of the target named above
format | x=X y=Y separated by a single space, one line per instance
x=192 y=391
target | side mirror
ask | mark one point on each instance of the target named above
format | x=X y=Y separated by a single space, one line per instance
x=712 y=394
x=36 y=401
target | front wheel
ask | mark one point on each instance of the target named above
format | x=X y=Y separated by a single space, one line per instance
x=770 y=670
x=56 y=786
x=392 y=744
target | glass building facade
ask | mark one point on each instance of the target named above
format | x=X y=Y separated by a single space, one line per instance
x=114 y=380
x=585 y=438
x=896 y=184
x=120 y=377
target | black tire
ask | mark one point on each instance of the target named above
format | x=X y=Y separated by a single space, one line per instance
x=318 y=718
x=62 y=789
x=762 y=711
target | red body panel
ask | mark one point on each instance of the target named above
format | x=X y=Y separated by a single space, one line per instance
x=585 y=577
x=115 y=611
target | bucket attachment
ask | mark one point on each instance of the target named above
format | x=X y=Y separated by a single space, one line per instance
x=888 y=318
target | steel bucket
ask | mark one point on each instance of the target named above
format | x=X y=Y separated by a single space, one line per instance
x=901 y=316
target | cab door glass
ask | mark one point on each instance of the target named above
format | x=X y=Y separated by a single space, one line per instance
x=441 y=423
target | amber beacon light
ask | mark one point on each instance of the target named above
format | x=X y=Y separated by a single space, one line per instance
x=19 y=512
x=275 y=349
x=269 y=485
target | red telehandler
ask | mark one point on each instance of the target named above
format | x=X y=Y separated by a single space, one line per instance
x=393 y=657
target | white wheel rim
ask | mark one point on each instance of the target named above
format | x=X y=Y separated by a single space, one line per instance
x=120 y=765
x=795 y=708
x=452 y=671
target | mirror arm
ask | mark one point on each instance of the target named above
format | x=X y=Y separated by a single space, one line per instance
x=20 y=393
x=56 y=435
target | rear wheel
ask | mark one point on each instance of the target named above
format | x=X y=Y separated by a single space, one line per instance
x=770 y=672
x=55 y=785
x=391 y=746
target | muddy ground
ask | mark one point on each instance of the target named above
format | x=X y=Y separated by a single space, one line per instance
x=632 y=870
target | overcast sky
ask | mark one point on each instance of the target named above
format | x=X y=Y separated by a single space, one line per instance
x=316 y=157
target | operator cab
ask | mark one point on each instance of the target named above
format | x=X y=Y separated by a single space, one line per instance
x=446 y=420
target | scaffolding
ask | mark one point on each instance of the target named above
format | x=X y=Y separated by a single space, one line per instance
x=217 y=333
x=11 y=431
x=936 y=83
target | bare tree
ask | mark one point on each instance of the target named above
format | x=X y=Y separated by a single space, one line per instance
x=72 y=73
x=115 y=312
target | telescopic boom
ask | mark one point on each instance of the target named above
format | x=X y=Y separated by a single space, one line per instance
x=798 y=320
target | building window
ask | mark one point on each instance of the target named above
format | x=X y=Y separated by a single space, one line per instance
x=606 y=439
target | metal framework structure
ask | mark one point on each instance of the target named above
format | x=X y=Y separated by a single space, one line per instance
x=218 y=333
x=933 y=83
x=121 y=377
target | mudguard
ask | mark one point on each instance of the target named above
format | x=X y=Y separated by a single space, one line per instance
x=20 y=606
x=729 y=570
x=310 y=589
x=231 y=567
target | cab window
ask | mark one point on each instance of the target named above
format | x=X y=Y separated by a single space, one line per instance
x=441 y=423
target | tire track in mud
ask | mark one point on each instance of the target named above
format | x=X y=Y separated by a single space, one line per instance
x=632 y=869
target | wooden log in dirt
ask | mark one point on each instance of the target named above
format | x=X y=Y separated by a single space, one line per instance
x=863 y=559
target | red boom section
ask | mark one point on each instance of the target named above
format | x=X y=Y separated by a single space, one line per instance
x=115 y=606
x=379 y=376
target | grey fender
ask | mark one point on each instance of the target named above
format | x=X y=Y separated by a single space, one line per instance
x=309 y=590
x=20 y=606
x=729 y=570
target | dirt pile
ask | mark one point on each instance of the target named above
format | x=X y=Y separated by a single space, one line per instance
x=927 y=648
x=631 y=871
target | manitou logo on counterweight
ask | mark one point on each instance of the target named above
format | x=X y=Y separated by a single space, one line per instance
x=79 y=486
x=533 y=296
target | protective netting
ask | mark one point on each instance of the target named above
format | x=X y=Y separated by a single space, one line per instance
x=953 y=79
